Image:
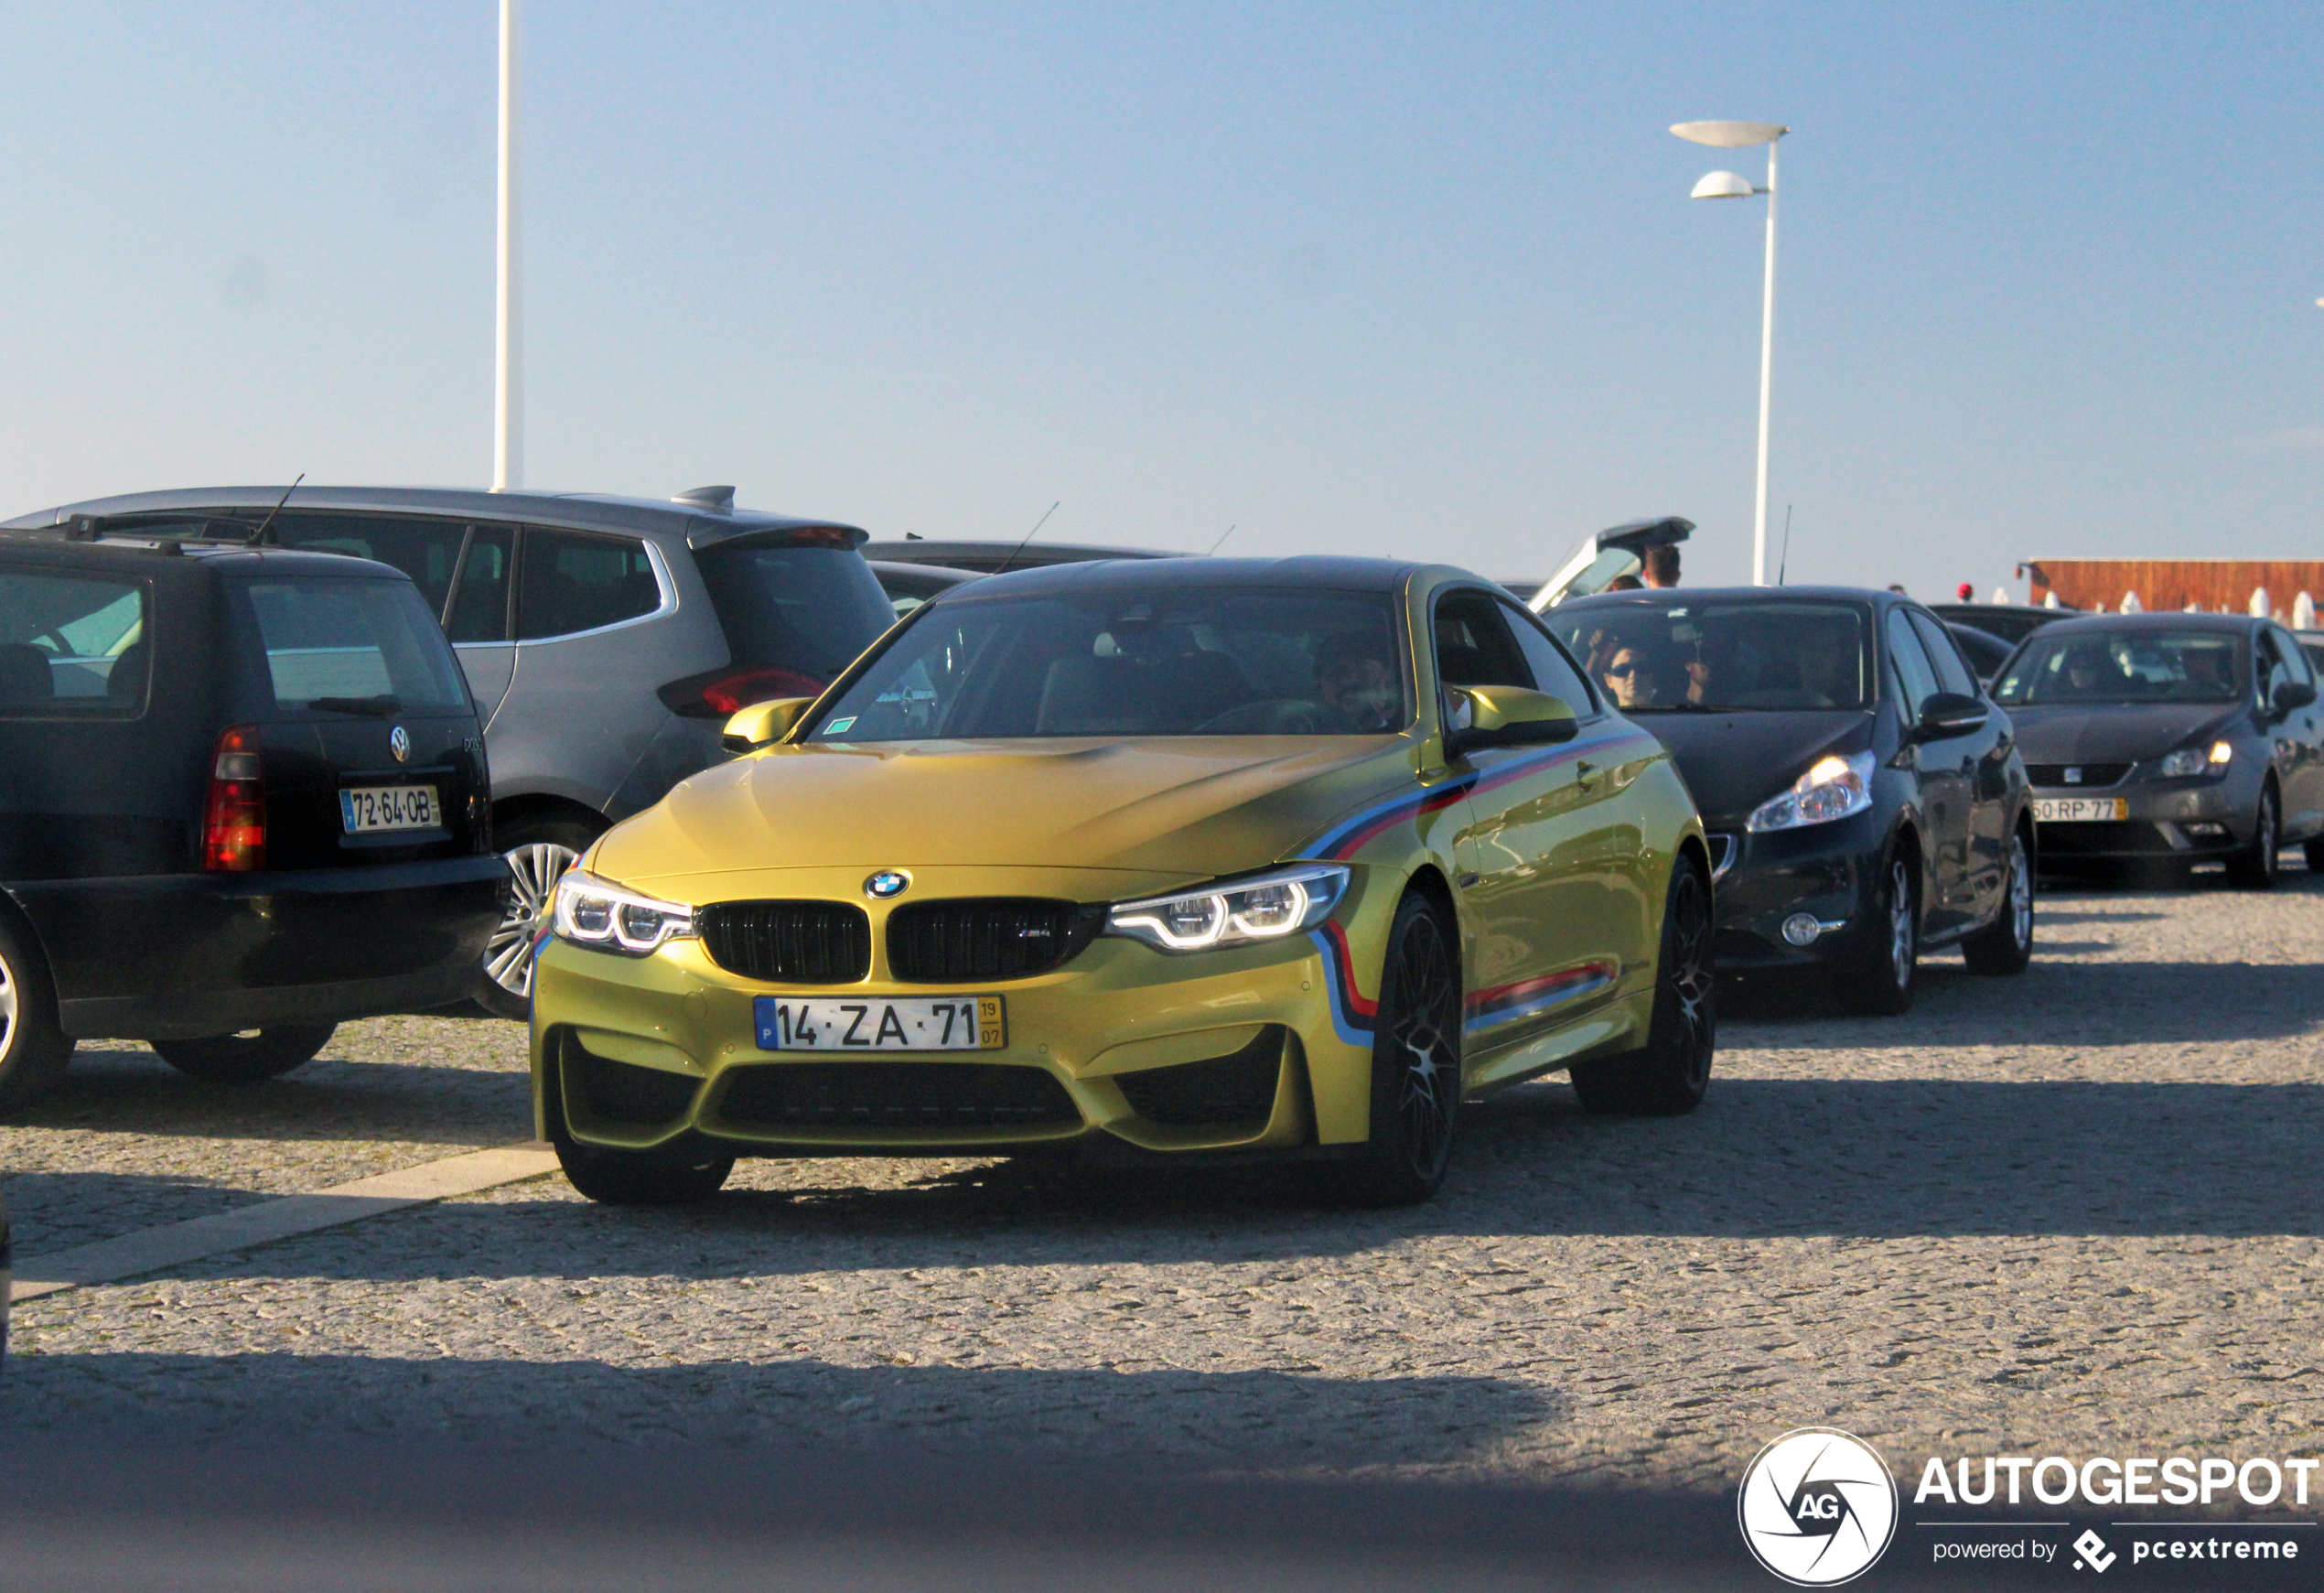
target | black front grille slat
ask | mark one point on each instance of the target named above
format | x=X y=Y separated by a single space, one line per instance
x=868 y=1095
x=2093 y=774
x=972 y=938
x=789 y=943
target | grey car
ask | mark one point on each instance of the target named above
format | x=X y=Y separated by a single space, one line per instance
x=605 y=640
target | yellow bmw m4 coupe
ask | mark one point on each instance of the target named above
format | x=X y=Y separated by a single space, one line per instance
x=1165 y=859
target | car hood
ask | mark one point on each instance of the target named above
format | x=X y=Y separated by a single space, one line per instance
x=1167 y=811
x=1733 y=762
x=2113 y=732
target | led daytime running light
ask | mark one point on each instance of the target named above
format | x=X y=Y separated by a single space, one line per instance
x=600 y=915
x=1235 y=913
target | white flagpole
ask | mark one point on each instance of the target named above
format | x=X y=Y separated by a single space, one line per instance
x=508 y=359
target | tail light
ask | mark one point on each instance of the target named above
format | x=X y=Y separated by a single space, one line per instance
x=234 y=816
x=728 y=691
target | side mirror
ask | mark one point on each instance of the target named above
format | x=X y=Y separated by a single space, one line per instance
x=762 y=722
x=1506 y=717
x=1947 y=714
x=2292 y=697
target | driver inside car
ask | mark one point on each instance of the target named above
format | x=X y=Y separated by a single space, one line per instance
x=1356 y=681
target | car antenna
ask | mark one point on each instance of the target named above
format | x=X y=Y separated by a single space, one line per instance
x=1029 y=537
x=1784 y=562
x=1222 y=538
x=259 y=535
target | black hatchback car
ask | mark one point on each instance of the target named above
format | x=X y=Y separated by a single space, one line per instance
x=1864 y=800
x=2170 y=737
x=243 y=796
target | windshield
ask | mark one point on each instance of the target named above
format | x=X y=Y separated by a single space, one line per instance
x=1714 y=657
x=354 y=646
x=1185 y=662
x=806 y=611
x=2125 y=666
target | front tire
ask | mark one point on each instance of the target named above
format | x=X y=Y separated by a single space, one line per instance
x=537 y=852
x=1415 y=1064
x=246 y=1059
x=34 y=1052
x=1670 y=1075
x=2005 y=945
x=1877 y=978
x=2253 y=867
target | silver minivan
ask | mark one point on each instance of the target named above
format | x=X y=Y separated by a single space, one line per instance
x=605 y=640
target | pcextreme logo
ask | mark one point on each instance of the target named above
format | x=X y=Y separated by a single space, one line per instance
x=1817 y=1507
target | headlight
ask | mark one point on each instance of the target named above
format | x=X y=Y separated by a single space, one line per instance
x=1837 y=787
x=1266 y=908
x=2189 y=761
x=602 y=916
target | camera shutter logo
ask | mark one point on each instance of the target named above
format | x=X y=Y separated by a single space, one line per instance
x=1818 y=1507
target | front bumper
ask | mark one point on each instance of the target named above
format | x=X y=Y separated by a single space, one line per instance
x=1252 y=1048
x=2188 y=819
x=1827 y=871
x=186 y=955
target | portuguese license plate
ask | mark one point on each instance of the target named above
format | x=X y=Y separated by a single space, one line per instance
x=2080 y=809
x=923 y=1023
x=365 y=808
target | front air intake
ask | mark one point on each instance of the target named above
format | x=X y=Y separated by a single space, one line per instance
x=788 y=943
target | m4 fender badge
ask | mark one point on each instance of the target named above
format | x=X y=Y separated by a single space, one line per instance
x=886 y=883
x=399 y=742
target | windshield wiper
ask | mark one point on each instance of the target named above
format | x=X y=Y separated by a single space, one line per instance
x=378 y=707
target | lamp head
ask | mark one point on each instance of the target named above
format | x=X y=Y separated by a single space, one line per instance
x=1729 y=135
x=1724 y=185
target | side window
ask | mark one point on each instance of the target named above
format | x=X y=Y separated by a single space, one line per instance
x=1553 y=672
x=479 y=607
x=71 y=645
x=571 y=581
x=1952 y=674
x=1917 y=682
x=426 y=550
x=1474 y=647
x=2274 y=668
x=2294 y=657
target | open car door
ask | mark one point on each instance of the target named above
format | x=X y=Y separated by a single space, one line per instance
x=1606 y=557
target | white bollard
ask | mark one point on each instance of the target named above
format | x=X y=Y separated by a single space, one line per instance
x=2131 y=604
x=2303 y=612
x=2259 y=608
x=2049 y=600
x=2001 y=595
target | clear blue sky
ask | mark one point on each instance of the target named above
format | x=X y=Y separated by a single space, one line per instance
x=1395 y=279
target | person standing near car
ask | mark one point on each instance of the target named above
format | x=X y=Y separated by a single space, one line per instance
x=1661 y=565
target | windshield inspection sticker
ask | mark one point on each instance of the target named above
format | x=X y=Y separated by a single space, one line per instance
x=840 y=726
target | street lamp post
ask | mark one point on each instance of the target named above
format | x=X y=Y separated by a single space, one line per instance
x=1727 y=185
x=508 y=350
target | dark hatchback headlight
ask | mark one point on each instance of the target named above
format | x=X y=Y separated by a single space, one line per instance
x=1834 y=788
x=1235 y=912
x=2189 y=762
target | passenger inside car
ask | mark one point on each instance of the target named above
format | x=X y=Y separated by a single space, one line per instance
x=1356 y=679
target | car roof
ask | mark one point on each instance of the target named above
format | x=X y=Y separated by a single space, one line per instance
x=1731 y=595
x=2240 y=624
x=133 y=556
x=1311 y=571
x=694 y=524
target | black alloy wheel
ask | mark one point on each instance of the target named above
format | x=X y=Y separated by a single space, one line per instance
x=2253 y=867
x=681 y=1175
x=2005 y=945
x=251 y=1058
x=1877 y=979
x=1415 y=1064
x=34 y=1052
x=537 y=852
x=1670 y=1074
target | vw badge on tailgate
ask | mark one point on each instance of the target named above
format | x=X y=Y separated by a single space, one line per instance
x=887 y=882
x=399 y=742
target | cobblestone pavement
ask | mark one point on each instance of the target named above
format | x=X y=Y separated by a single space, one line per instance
x=2074 y=1212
